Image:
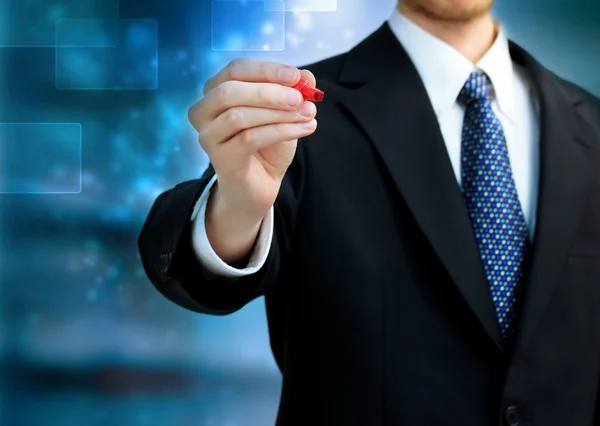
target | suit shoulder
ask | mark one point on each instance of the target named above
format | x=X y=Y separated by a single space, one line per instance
x=584 y=99
x=326 y=69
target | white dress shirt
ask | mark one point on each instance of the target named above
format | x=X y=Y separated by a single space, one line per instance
x=444 y=71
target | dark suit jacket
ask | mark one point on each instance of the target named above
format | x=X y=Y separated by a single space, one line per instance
x=378 y=306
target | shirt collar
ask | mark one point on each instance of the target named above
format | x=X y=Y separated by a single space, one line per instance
x=444 y=70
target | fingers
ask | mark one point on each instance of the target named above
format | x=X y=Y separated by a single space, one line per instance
x=231 y=94
x=256 y=71
x=236 y=120
x=252 y=140
x=250 y=104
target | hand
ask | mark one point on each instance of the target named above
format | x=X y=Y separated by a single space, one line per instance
x=249 y=122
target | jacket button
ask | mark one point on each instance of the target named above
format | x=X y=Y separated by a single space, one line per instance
x=512 y=416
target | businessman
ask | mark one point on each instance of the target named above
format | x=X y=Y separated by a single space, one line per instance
x=430 y=255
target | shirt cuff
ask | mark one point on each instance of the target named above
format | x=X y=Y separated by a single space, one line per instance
x=207 y=256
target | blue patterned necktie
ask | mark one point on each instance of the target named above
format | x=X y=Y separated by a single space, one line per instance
x=491 y=198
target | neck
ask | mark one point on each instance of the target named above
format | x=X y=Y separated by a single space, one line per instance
x=472 y=38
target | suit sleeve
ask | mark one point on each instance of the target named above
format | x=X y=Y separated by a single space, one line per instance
x=170 y=262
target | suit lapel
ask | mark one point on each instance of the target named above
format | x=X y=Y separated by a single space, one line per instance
x=392 y=106
x=566 y=172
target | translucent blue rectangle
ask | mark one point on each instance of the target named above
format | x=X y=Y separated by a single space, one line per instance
x=301 y=5
x=87 y=33
x=40 y=158
x=243 y=25
x=31 y=23
x=131 y=65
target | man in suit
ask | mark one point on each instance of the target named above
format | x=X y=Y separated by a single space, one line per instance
x=430 y=255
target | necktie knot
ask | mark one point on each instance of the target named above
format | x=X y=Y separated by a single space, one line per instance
x=476 y=89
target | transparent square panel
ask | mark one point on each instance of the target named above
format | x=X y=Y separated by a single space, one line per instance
x=32 y=23
x=131 y=65
x=301 y=5
x=40 y=158
x=239 y=25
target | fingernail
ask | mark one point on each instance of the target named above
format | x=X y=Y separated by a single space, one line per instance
x=309 y=125
x=292 y=97
x=288 y=75
x=307 y=109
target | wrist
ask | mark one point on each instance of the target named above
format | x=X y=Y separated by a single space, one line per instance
x=230 y=217
x=231 y=233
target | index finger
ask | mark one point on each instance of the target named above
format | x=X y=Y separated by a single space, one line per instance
x=254 y=71
x=309 y=76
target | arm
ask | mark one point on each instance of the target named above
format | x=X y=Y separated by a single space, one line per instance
x=167 y=248
x=206 y=254
x=249 y=116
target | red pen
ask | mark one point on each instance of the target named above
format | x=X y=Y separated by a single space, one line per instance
x=308 y=92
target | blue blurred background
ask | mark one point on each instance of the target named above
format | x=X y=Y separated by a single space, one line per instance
x=93 y=126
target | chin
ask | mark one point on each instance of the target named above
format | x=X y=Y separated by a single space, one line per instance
x=451 y=10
